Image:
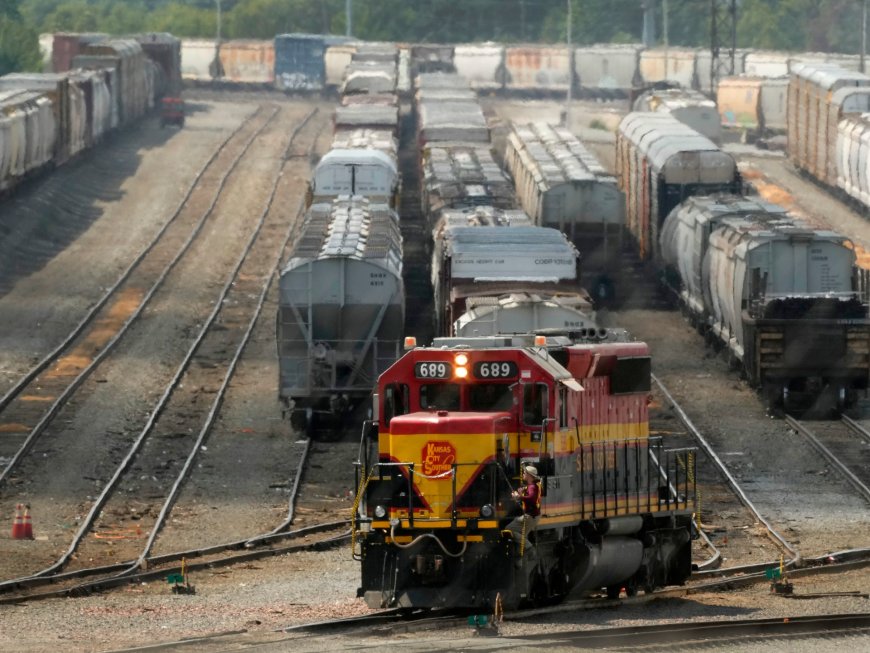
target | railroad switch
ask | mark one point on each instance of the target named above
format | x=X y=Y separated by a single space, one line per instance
x=180 y=582
x=779 y=584
x=483 y=625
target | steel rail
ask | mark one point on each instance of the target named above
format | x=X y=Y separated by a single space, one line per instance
x=126 y=569
x=110 y=345
x=732 y=482
x=29 y=376
x=109 y=487
x=159 y=574
x=830 y=456
x=856 y=428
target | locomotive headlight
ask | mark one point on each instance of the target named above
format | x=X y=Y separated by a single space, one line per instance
x=461 y=359
x=380 y=512
x=461 y=372
x=487 y=511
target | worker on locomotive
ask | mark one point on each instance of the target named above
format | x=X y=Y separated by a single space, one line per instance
x=529 y=497
x=456 y=428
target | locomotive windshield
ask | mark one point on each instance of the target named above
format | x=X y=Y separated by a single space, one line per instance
x=534 y=403
x=439 y=396
x=488 y=397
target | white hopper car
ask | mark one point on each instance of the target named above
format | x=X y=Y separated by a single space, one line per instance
x=778 y=296
x=561 y=184
x=342 y=310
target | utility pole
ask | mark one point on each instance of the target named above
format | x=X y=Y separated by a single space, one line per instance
x=649 y=23
x=348 y=15
x=570 y=69
x=218 y=68
x=864 y=37
x=723 y=39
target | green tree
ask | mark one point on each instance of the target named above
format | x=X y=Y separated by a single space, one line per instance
x=19 y=44
x=183 y=21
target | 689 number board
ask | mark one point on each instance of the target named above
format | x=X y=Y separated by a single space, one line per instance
x=495 y=370
x=433 y=370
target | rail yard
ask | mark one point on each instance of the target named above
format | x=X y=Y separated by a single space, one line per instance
x=141 y=421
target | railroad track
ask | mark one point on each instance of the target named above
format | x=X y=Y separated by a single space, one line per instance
x=35 y=399
x=844 y=444
x=231 y=320
x=713 y=577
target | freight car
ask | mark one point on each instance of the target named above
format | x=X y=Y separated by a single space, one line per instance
x=494 y=268
x=660 y=162
x=778 y=296
x=342 y=306
x=688 y=106
x=360 y=162
x=341 y=311
x=561 y=184
x=47 y=118
x=455 y=426
x=483 y=252
x=753 y=107
x=819 y=96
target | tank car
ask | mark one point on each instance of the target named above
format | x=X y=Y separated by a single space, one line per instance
x=779 y=296
x=454 y=425
x=341 y=311
x=660 y=162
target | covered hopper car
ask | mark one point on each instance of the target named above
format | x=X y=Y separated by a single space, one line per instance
x=341 y=311
x=777 y=296
x=561 y=184
x=455 y=426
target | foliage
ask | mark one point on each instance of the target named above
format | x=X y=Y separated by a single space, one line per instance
x=19 y=44
x=800 y=25
x=19 y=47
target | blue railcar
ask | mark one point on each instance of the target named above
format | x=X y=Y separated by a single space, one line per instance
x=300 y=62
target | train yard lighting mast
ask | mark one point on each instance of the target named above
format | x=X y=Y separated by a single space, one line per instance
x=348 y=16
x=723 y=37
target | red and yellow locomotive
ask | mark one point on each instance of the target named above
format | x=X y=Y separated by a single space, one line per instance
x=456 y=422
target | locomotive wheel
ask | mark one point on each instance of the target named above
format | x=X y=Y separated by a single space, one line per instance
x=613 y=592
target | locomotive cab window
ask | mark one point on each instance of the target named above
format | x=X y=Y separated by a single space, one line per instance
x=489 y=397
x=396 y=401
x=439 y=396
x=534 y=403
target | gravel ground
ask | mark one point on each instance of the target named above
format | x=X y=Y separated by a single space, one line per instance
x=245 y=476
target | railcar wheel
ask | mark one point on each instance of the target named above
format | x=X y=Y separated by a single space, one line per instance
x=613 y=592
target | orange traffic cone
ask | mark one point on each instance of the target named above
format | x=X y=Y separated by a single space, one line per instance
x=18 y=523
x=28 y=524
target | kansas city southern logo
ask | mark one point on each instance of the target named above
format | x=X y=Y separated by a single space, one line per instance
x=438 y=458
